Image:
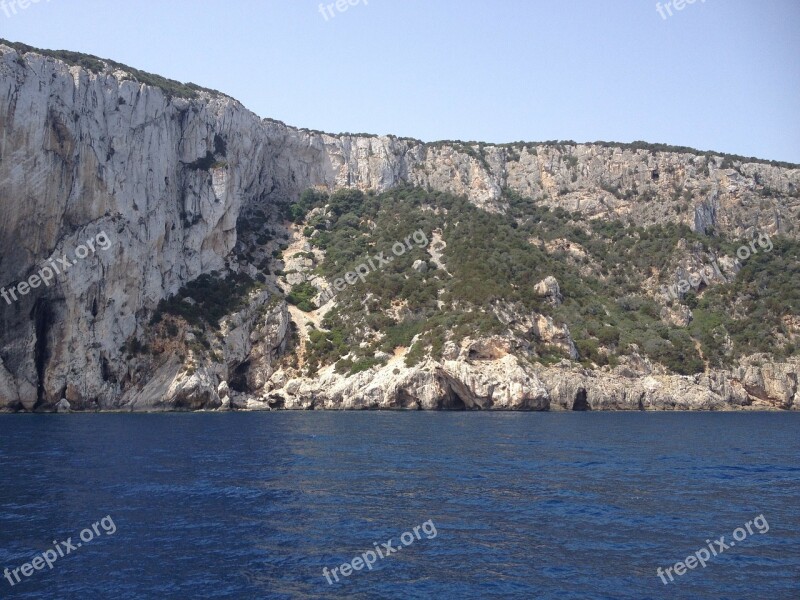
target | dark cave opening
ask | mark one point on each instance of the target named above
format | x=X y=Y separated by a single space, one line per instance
x=105 y=370
x=42 y=317
x=276 y=402
x=405 y=400
x=454 y=402
x=581 y=403
x=238 y=380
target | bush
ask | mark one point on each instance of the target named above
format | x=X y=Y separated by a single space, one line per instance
x=346 y=200
x=302 y=295
x=207 y=299
x=309 y=200
x=608 y=336
x=352 y=367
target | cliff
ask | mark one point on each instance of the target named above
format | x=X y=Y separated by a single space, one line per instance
x=172 y=176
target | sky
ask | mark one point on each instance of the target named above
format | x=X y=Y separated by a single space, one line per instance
x=718 y=75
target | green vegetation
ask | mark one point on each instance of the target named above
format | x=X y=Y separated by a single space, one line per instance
x=563 y=146
x=324 y=347
x=494 y=265
x=365 y=364
x=727 y=162
x=207 y=299
x=203 y=164
x=134 y=347
x=751 y=309
x=308 y=199
x=302 y=295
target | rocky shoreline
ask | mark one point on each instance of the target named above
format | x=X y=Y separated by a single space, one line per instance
x=503 y=383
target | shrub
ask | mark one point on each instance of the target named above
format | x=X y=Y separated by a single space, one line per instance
x=207 y=299
x=302 y=295
x=608 y=336
x=309 y=199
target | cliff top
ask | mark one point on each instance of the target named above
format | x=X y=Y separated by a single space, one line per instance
x=99 y=65
x=190 y=90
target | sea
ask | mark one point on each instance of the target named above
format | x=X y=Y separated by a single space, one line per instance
x=457 y=504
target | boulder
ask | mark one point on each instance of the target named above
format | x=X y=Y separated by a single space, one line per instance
x=549 y=288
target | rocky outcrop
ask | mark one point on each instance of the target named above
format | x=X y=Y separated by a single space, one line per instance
x=768 y=382
x=553 y=335
x=549 y=288
x=166 y=178
x=571 y=388
x=238 y=358
x=508 y=383
x=477 y=376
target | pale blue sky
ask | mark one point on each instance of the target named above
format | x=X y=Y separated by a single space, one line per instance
x=719 y=74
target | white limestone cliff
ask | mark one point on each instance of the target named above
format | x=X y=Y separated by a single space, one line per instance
x=166 y=178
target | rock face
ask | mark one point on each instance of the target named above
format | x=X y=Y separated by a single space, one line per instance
x=549 y=288
x=507 y=383
x=479 y=375
x=165 y=178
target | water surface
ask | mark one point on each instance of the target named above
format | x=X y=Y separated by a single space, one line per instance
x=525 y=505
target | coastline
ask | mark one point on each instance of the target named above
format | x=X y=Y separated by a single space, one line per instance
x=114 y=411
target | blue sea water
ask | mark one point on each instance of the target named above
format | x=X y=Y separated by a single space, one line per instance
x=525 y=505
